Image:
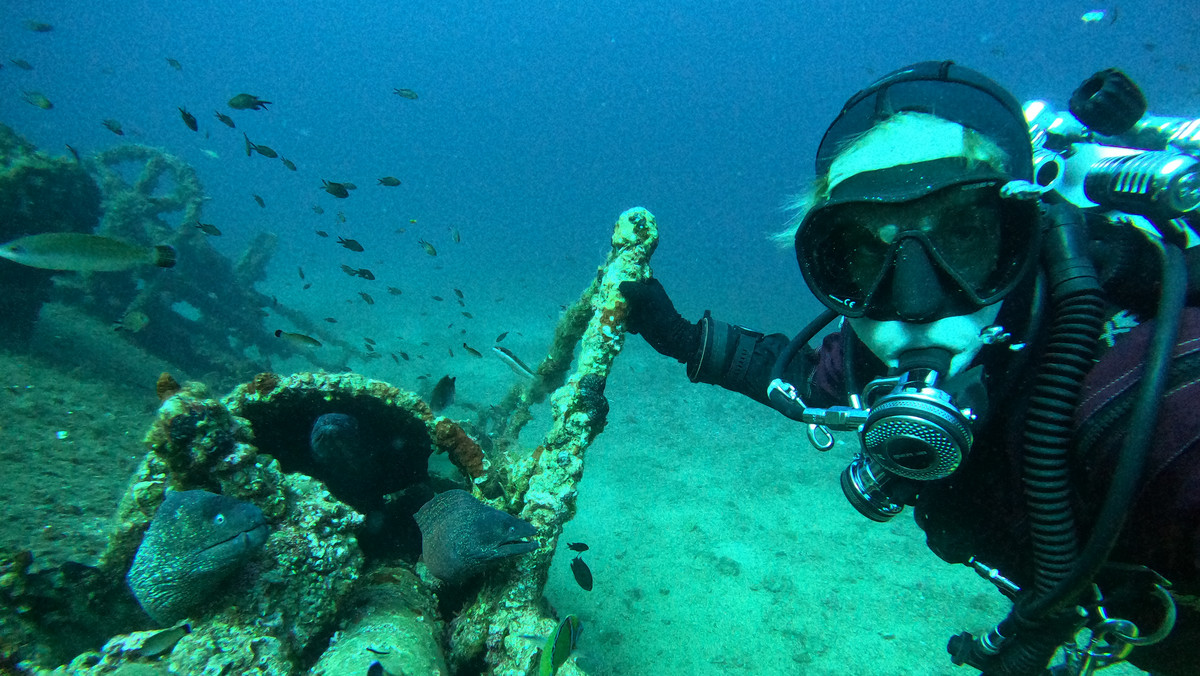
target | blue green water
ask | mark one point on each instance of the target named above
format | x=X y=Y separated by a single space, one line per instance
x=536 y=125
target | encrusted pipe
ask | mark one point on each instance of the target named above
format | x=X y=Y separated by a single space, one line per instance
x=503 y=615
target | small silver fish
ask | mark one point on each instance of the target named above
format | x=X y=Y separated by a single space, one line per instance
x=163 y=641
x=513 y=362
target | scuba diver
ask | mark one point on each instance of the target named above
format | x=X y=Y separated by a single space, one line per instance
x=1018 y=353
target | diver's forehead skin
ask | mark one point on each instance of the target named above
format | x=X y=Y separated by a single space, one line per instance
x=896 y=144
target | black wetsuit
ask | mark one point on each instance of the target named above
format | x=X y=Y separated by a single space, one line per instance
x=979 y=510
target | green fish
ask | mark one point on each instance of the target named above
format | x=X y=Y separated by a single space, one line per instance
x=405 y=93
x=338 y=190
x=247 y=102
x=209 y=229
x=389 y=181
x=252 y=147
x=84 y=253
x=298 y=339
x=560 y=645
x=37 y=99
x=225 y=119
x=350 y=244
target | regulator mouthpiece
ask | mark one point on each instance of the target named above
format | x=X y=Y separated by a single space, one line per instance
x=914 y=431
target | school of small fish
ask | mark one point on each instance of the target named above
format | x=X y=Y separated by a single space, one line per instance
x=88 y=253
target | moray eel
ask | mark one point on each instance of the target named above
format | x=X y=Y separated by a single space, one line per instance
x=345 y=461
x=334 y=440
x=461 y=536
x=195 y=541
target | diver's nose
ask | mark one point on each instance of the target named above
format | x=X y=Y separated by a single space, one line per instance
x=916 y=290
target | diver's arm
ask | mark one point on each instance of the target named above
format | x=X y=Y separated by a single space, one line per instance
x=741 y=360
x=733 y=357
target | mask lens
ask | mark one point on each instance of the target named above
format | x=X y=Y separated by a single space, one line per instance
x=847 y=256
x=978 y=242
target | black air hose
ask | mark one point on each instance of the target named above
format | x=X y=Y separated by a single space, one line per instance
x=1078 y=317
x=1041 y=621
x=788 y=407
x=1131 y=464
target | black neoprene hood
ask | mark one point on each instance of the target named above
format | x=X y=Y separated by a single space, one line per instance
x=943 y=89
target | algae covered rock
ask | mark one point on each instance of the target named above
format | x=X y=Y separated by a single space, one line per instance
x=276 y=612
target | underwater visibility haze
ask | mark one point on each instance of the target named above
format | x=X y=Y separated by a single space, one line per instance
x=406 y=200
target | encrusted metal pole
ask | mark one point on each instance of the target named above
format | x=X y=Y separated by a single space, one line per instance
x=544 y=483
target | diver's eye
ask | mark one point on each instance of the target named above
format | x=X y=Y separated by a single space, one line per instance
x=219 y=519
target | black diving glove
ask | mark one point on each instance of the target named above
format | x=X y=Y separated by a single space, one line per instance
x=653 y=315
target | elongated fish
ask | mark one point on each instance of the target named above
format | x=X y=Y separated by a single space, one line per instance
x=513 y=362
x=84 y=253
x=298 y=339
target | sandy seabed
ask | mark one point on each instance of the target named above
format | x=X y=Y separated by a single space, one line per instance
x=721 y=543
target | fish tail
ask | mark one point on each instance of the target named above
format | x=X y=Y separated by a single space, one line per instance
x=164 y=256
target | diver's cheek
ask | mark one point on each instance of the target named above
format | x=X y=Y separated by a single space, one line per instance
x=960 y=335
x=885 y=340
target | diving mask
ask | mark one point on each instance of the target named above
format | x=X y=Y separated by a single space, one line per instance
x=918 y=242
